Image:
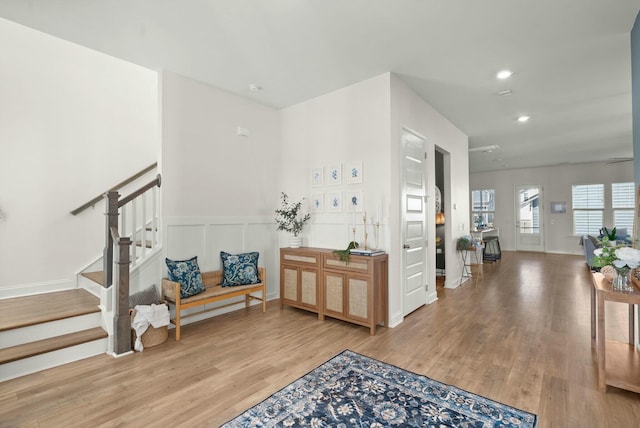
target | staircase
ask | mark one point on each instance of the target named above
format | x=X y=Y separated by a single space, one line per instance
x=50 y=329
x=47 y=330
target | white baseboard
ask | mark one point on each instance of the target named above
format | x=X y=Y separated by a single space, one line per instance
x=395 y=320
x=432 y=297
x=10 y=291
x=452 y=284
x=114 y=355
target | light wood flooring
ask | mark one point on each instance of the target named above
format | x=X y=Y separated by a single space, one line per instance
x=521 y=337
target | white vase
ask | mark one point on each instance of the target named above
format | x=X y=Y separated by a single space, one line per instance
x=295 y=241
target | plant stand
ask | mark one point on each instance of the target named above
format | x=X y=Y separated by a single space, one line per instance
x=472 y=260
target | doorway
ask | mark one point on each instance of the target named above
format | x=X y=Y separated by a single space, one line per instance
x=414 y=224
x=529 y=221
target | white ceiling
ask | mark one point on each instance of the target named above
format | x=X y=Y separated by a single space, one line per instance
x=571 y=59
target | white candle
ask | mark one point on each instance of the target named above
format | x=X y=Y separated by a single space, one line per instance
x=378 y=213
x=354 y=216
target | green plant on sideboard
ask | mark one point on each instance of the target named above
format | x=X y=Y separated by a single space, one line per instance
x=289 y=218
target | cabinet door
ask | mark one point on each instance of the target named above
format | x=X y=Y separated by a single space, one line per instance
x=290 y=284
x=334 y=294
x=309 y=288
x=358 y=297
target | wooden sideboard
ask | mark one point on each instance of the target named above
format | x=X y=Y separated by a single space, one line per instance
x=314 y=279
x=618 y=362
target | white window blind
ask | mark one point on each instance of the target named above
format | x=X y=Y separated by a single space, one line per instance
x=623 y=203
x=588 y=196
x=588 y=206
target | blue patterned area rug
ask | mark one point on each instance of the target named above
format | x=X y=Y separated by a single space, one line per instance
x=351 y=390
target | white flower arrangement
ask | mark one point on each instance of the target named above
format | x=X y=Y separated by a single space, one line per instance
x=627 y=256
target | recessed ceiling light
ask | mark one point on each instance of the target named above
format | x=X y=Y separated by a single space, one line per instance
x=504 y=74
x=505 y=93
x=255 y=88
x=523 y=119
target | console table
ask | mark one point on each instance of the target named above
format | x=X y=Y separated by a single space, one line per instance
x=618 y=362
x=314 y=279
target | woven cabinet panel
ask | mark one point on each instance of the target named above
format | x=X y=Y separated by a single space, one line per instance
x=351 y=265
x=358 y=298
x=291 y=284
x=304 y=259
x=309 y=287
x=333 y=290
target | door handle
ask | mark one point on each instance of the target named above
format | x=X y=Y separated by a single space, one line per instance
x=406 y=246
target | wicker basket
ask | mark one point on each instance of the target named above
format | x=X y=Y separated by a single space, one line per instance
x=609 y=272
x=152 y=337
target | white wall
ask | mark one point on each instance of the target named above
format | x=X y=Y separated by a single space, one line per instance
x=556 y=182
x=410 y=112
x=364 y=122
x=219 y=189
x=73 y=122
x=351 y=124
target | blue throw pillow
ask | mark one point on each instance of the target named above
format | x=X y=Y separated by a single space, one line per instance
x=187 y=273
x=239 y=269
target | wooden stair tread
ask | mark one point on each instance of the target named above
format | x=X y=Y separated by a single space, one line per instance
x=97 y=277
x=41 y=308
x=27 y=350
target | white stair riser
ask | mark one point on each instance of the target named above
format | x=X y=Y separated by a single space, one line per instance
x=36 y=332
x=52 y=359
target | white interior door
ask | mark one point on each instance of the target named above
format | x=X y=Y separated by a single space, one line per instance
x=414 y=233
x=529 y=213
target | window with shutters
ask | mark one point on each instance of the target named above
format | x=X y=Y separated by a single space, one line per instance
x=623 y=203
x=483 y=207
x=588 y=208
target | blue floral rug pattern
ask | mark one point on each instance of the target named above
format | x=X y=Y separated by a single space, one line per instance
x=352 y=390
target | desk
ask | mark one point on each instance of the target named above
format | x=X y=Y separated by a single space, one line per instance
x=480 y=233
x=618 y=363
x=489 y=237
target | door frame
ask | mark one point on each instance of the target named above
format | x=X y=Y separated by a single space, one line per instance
x=518 y=241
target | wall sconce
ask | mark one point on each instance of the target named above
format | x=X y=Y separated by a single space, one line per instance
x=439 y=218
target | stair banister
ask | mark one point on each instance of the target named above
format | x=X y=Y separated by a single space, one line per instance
x=113 y=204
x=121 y=319
x=123 y=260
x=131 y=179
x=111 y=216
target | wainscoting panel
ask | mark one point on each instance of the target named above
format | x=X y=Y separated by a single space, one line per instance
x=184 y=241
x=205 y=237
x=227 y=237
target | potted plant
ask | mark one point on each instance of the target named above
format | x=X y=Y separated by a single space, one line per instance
x=290 y=219
x=611 y=234
x=464 y=244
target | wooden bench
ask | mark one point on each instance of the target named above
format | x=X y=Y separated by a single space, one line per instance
x=214 y=292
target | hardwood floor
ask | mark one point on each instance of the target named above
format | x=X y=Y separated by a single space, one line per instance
x=521 y=337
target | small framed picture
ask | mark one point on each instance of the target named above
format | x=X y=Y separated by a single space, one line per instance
x=334 y=202
x=317 y=202
x=354 y=172
x=317 y=177
x=558 y=207
x=353 y=201
x=334 y=174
